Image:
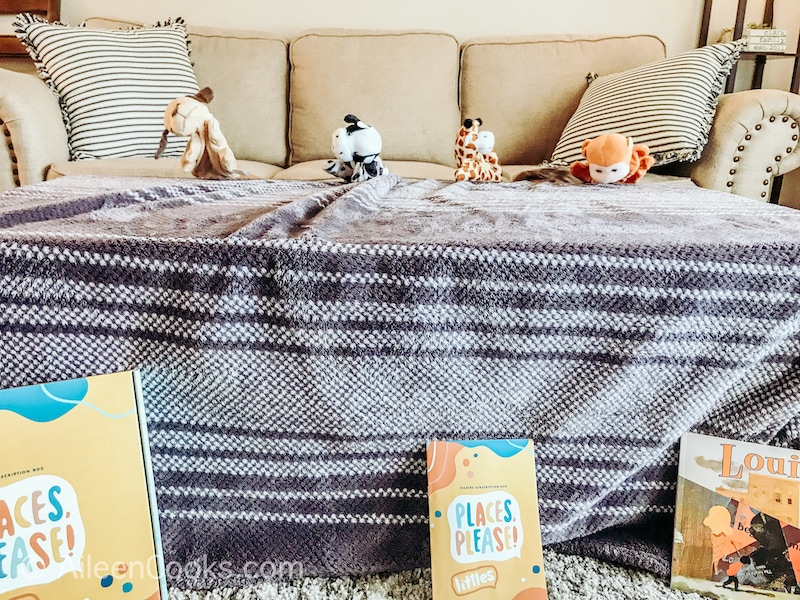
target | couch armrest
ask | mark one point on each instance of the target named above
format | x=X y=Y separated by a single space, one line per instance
x=32 y=129
x=754 y=138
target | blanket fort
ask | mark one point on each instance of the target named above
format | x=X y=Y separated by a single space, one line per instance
x=300 y=343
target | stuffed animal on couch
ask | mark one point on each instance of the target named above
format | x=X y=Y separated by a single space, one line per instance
x=612 y=158
x=474 y=152
x=357 y=149
x=207 y=154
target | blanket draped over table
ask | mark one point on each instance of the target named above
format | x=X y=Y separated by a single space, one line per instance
x=300 y=343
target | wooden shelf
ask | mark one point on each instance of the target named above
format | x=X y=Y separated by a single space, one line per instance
x=760 y=61
x=757 y=53
x=760 y=57
x=49 y=9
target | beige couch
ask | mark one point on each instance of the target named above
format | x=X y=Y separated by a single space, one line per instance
x=278 y=102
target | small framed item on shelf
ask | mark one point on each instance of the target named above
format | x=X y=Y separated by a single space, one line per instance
x=762 y=38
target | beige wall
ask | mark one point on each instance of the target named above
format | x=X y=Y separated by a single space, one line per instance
x=675 y=21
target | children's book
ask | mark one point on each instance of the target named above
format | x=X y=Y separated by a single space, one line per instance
x=78 y=516
x=737 y=519
x=484 y=521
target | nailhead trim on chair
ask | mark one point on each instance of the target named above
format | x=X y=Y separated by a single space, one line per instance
x=736 y=158
x=7 y=133
x=748 y=137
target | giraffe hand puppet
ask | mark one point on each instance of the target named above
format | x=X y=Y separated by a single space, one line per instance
x=475 y=156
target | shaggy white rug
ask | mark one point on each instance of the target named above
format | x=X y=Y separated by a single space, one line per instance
x=568 y=578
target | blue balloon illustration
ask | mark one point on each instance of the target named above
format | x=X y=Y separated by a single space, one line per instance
x=46 y=402
x=503 y=448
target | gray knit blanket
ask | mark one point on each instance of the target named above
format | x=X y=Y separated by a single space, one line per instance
x=300 y=342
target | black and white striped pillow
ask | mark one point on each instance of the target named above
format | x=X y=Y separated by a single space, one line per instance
x=667 y=105
x=113 y=85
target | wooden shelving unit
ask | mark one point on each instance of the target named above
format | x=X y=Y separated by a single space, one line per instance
x=49 y=9
x=760 y=61
x=759 y=57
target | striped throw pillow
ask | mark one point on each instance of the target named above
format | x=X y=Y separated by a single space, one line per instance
x=113 y=85
x=668 y=105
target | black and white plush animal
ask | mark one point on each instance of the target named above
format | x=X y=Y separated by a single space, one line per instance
x=357 y=149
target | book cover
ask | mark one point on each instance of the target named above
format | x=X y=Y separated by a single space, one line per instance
x=765 y=47
x=77 y=510
x=484 y=520
x=753 y=31
x=766 y=39
x=737 y=515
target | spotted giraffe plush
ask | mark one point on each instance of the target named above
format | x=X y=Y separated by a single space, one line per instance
x=475 y=156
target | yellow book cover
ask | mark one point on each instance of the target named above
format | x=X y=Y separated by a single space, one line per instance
x=484 y=520
x=737 y=519
x=77 y=511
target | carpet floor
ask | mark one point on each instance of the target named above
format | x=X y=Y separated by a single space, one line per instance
x=568 y=578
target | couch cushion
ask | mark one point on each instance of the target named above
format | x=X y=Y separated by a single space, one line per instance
x=147 y=167
x=113 y=85
x=248 y=71
x=312 y=170
x=404 y=83
x=668 y=105
x=525 y=88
